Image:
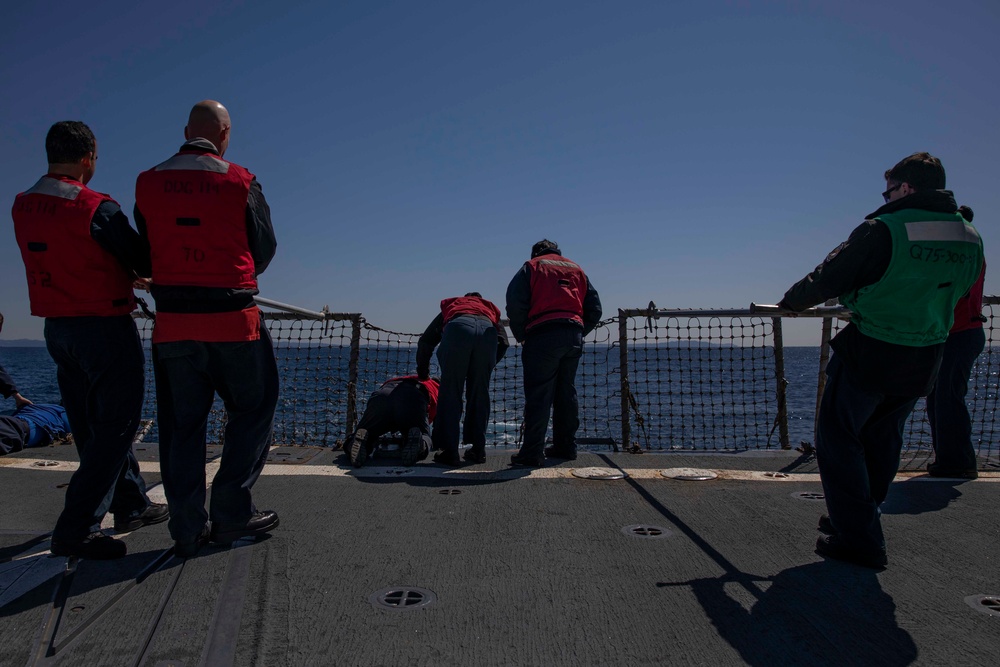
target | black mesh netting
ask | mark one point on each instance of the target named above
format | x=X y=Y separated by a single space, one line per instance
x=701 y=382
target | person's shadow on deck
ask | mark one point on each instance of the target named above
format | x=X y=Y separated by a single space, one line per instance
x=824 y=613
x=918 y=497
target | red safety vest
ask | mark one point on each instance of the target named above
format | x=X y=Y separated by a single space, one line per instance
x=432 y=388
x=469 y=305
x=969 y=310
x=558 y=287
x=195 y=209
x=69 y=274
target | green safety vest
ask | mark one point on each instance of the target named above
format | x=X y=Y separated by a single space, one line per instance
x=936 y=257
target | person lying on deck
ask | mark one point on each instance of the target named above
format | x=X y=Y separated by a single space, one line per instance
x=32 y=425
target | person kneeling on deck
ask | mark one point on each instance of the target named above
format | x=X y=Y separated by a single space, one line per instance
x=32 y=425
x=80 y=257
x=210 y=236
x=551 y=306
x=403 y=404
x=472 y=342
x=901 y=273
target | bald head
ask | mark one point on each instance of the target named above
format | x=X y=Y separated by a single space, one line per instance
x=209 y=120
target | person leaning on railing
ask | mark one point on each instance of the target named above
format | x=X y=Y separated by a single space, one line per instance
x=901 y=273
x=551 y=306
x=472 y=342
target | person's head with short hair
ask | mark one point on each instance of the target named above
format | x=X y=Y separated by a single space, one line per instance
x=544 y=247
x=476 y=294
x=914 y=173
x=71 y=150
x=209 y=120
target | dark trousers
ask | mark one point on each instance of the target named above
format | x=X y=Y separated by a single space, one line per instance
x=466 y=355
x=947 y=412
x=99 y=367
x=398 y=407
x=858 y=442
x=188 y=374
x=550 y=357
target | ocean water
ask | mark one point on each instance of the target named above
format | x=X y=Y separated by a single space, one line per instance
x=719 y=398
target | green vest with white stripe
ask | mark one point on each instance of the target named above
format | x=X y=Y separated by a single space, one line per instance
x=936 y=257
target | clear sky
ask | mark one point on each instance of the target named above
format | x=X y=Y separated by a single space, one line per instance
x=697 y=154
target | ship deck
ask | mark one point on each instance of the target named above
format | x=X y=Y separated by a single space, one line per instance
x=507 y=566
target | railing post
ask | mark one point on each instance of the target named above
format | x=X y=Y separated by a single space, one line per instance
x=779 y=374
x=824 y=358
x=352 y=375
x=623 y=363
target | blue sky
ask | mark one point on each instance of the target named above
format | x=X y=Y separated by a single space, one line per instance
x=697 y=154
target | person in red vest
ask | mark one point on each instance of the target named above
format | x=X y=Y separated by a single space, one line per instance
x=406 y=404
x=472 y=342
x=209 y=235
x=81 y=257
x=551 y=306
x=947 y=412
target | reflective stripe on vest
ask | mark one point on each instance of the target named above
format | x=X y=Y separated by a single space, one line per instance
x=56 y=188
x=558 y=287
x=469 y=305
x=941 y=230
x=194 y=162
x=68 y=273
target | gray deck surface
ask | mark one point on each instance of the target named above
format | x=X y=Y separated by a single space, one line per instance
x=526 y=571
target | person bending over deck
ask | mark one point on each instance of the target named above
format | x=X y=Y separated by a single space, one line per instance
x=32 y=425
x=947 y=412
x=551 y=306
x=209 y=235
x=7 y=387
x=401 y=404
x=81 y=257
x=472 y=342
x=901 y=273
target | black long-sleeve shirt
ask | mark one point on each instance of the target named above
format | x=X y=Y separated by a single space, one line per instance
x=862 y=260
x=260 y=237
x=111 y=230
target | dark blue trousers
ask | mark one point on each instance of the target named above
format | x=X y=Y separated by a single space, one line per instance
x=550 y=357
x=466 y=355
x=395 y=408
x=858 y=442
x=99 y=367
x=188 y=374
x=947 y=412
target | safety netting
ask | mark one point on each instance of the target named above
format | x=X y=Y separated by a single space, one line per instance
x=683 y=380
x=701 y=382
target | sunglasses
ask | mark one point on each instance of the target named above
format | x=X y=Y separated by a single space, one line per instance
x=887 y=193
